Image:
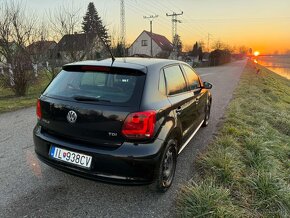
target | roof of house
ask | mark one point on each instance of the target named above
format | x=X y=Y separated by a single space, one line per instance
x=160 y=40
x=76 y=42
x=41 y=46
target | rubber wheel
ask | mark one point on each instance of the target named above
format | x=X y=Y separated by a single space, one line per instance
x=167 y=166
x=207 y=114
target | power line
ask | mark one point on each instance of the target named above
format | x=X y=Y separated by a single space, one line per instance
x=160 y=7
x=245 y=19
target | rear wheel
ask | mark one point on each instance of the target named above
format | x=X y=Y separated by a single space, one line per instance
x=207 y=114
x=167 y=166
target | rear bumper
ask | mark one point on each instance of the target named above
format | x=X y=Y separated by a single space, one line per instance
x=128 y=164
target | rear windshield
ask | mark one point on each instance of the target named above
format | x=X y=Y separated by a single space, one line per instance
x=121 y=87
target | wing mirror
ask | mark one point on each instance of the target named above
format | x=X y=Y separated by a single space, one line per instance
x=207 y=85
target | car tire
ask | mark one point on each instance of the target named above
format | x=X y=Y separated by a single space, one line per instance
x=166 y=167
x=207 y=114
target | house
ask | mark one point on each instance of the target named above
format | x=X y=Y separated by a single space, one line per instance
x=161 y=46
x=41 y=51
x=78 y=47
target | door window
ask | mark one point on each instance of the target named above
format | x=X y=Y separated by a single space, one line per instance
x=174 y=80
x=193 y=80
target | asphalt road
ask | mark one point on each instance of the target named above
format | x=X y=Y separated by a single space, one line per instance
x=29 y=188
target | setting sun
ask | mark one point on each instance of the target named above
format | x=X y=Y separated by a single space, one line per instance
x=256 y=53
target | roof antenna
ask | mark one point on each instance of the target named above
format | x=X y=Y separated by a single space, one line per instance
x=108 y=48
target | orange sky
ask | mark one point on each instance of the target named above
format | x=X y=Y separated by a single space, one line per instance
x=260 y=24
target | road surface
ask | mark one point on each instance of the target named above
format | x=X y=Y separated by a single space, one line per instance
x=29 y=188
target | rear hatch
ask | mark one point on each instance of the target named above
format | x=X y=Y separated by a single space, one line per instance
x=89 y=104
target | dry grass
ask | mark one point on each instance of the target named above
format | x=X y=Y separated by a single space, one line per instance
x=246 y=171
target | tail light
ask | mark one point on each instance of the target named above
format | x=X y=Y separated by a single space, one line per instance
x=38 y=110
x=139 y=125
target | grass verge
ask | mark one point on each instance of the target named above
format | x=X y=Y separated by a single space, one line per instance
x=9 y=102
x=246 y=170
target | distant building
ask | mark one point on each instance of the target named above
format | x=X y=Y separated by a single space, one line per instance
x=78 y=47
x=205 y=57
x=161 y=46
x=41 y=51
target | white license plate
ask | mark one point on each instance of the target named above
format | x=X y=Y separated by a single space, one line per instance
x=70 y=157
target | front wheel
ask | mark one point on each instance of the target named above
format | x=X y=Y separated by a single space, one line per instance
x=167 y=166
x=207 y=114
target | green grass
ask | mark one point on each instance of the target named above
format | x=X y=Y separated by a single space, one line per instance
x=9 y=102
x=245 y=172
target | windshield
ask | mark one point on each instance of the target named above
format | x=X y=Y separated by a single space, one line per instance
x=121 y=88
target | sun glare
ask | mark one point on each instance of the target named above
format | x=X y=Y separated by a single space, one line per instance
x=256 y=53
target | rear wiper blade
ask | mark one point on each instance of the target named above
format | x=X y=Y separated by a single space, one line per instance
x=89 y=98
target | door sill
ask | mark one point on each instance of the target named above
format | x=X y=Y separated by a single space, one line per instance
x=188 y=140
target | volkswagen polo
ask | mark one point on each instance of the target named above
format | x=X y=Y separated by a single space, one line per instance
x=122 y=121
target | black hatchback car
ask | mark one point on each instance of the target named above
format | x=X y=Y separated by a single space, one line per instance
x=122 y=122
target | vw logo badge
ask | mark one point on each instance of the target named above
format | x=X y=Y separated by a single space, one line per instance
x=71 y=117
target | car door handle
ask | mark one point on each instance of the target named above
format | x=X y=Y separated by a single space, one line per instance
x=178 y=110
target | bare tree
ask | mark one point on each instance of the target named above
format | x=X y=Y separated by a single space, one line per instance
x=16 y=32
x=243 y=50
x=65 y=20
x=218 y=45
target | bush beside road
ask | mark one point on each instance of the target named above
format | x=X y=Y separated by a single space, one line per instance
x=9 y=102
x=245 y=171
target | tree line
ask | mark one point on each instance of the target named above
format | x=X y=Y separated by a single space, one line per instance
x=19 y=29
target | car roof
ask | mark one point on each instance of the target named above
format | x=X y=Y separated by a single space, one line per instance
x=128 y=62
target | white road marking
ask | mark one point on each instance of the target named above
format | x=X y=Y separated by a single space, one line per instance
x=205 y=74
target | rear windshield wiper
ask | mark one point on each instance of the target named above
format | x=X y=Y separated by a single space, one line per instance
x=89 y=98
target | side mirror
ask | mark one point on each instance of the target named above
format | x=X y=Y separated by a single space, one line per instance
x=207 y=85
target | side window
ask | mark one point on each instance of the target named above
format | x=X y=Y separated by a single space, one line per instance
x=174 y=80
x=193 y=81
x=144 y=42
x=162 y=87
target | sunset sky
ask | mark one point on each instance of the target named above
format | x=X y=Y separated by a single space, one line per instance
x=260 y=24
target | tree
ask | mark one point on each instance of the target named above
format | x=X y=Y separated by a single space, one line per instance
x=92 y=23
x=219 y=57
x=64 y=20
x=195 y=49
x=250 y=51
x=177 y=43
x=200 y=53
x=118 y=50
x=218 y=45
x=243 y=50
x=17 y=30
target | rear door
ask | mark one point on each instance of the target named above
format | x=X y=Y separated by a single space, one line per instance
x=198 y=93
x=91 y=104
x=179 y=96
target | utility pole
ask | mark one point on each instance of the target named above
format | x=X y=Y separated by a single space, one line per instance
x=174 y=30
x=123 y=25
x=174 y=23
x=208 y=38
x=151 y=18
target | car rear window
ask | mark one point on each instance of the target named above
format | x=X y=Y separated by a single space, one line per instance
x=122 y=86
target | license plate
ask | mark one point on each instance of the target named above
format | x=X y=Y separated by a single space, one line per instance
x=70 y=157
